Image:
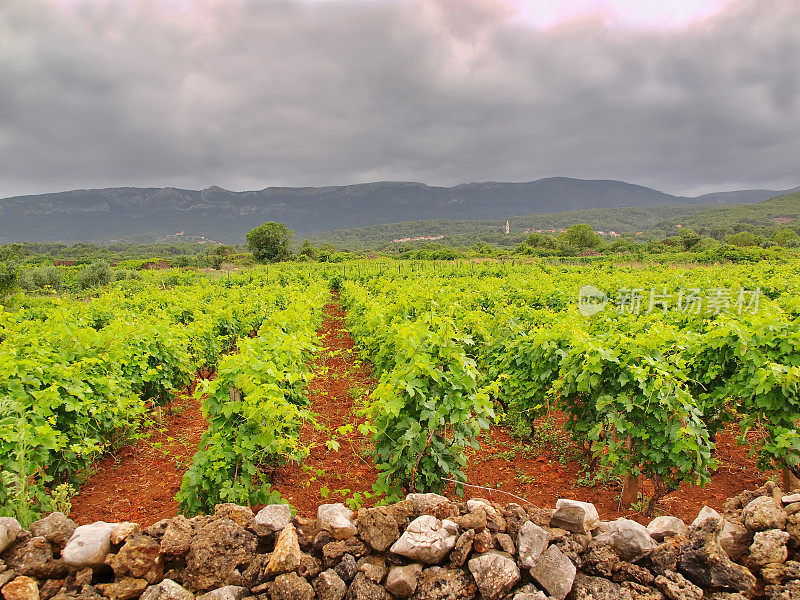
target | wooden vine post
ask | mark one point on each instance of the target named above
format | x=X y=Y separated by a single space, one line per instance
x=630 y=483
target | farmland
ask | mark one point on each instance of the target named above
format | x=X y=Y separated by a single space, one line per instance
x=446 y=359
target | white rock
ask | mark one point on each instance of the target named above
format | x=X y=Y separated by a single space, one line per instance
x=704 y=515
x=554 y=572
x=337 y=519
x=663 y=527
x=274 y=517
x=431 y=504
x=6 y=537
x=427 y=539
x=575 y=516
x=495 y=573
x=629 y=539
x=89 y=545
x=228 y=592
x=769 y=547
x=167 y=590
x=401 y=581
x=531 y=542
x=791 y=499
x=764 y=513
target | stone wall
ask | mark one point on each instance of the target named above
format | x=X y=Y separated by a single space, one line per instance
x=425 y=547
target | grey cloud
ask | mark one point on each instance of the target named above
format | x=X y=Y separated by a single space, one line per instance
x=246 y=93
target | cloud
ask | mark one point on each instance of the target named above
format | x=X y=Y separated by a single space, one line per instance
x=250 y=93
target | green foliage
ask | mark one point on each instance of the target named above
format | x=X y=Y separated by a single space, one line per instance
x=786 y=237
x=9 y=277
x=95 y=275
x=581 y=236
x=269 y=242
x=742 y=239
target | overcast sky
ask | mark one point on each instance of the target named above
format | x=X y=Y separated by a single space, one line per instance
x=681 y=95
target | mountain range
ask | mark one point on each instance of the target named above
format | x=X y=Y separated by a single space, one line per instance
x=155 y=214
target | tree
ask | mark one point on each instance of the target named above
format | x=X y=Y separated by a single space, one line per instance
x=786 y=237
x=308 y=250
x=689 y=239
x=269 y=242
x=581 y=236
x=743 y=239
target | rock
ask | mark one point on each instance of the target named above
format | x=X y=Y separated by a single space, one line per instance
x=373 y=570
x=533 y=595
x=769 y=547
x=494 y=520
x=228 y=592
x=307 y=530
x=575 y=516
x=89 y=545
x=334 y=551
x=6 y=576
x=438 y=583
x=724 y=596
x=12 y=526
x=286 y=556
x=764 y=513
x=290 y=586
x=483 y=541
x=363 y=588
x=462 y=548
x=216 y=552
x=140 y=557
x=472 y=520
x=432 y=504
x=630 y=540
x=777 y=574
x=515 y=516
x=241 y=515
x=792 y=508
x=273 y=517
x=662 y=527
x=50 y=588
x=125 y=588
x=790 y=498
x=167 y=590
x=676 y=587
x=401 y=582
x=329 y=586
x=34 y=558
x=121 y=532
x=531 y=542
x=21 y=588
x=735 y=539
x=704 y=562
x=506 y=543
x=84 y=577
x=427 y=540
x=310 y=566
x=337 y=519
x=177 y=537
x=597 y=588
x=378 y=529
x=347 y=568
x=641 y=592
x=554 y=572
x=704 y=515
x=495 y=573
x=56 y=528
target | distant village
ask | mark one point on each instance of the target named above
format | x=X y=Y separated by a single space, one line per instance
x=610 y=234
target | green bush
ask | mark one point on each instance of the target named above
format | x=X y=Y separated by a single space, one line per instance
x=97 y=274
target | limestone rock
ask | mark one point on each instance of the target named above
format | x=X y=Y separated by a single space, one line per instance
x=273 y=517
x=21 y=588
x=121 y=532
x=706 y=513
x=506 y=543
x=34 y=557
x=438 y=583
x=704 y=562
x=427 y=540
x=334 y=551
x=575 y=516
x=228 y=592
x=475 y=519
x=377 y=529
x=494 y=520
x=56 y=528
x=290 y=586
x=329 y=586
x=177 y=537
x=363 y=588
x=432 y=504
x=126 y=588
x=140 y=557
x=764 y=513
x=663 y=527
x=495 y=573
x=483 y=541
x=778 y=574
x=676 y=587
x=630 y=540
x=89 y=545
x=12 y=526
x=167 y=590
x=310 y=566
x=217 y=551
x=347 y=568
x=462 y=548
x=287 y=554
x=241 y=515
x=769 y=547
x=531 y=542
x=735 y=539
x=515 y=516
x=597 y=588
x=554 y=572
x=401 y=581
x=337 y=519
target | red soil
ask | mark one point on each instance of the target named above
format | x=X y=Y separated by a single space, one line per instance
x=139 y=482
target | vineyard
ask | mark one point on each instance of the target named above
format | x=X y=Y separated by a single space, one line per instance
x=644 y=372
